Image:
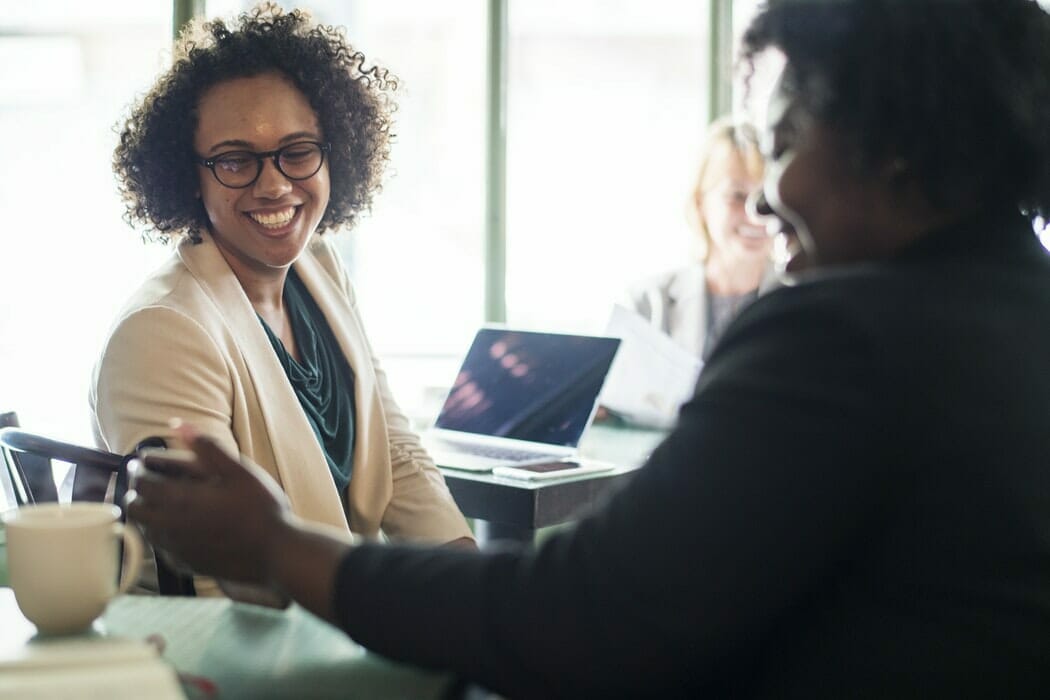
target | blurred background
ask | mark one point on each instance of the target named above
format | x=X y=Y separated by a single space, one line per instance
x=542 y=164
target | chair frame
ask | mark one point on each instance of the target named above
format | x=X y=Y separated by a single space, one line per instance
x=16 y=443
x=94 y=468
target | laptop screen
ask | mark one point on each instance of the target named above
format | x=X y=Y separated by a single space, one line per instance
x=528 y=386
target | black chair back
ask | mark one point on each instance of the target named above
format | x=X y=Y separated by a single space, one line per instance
x=35 y=477
x=99 y=476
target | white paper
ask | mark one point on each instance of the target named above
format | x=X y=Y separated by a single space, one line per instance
x=651 y=377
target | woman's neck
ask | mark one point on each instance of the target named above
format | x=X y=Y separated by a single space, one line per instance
x=264 y=287
x=739 y=277
x=266 y=294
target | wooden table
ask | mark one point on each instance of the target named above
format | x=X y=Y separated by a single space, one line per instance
x=512 y=509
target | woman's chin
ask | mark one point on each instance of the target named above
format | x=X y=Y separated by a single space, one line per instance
x=791 y=256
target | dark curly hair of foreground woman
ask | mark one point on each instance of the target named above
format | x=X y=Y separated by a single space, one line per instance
x=154 y=161
x=982 y=140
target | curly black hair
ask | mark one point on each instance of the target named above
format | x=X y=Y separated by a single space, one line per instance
x=154 y=161
x=959 y=90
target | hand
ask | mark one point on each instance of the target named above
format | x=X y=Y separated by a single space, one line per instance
x=265 y=596
x=222 y=517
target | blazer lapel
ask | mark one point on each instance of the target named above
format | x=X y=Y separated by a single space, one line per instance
x=687 y=296
x=370 y=483
x=296 y=452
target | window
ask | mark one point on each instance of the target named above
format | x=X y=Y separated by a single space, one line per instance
x=607 y=104
x=69 y=70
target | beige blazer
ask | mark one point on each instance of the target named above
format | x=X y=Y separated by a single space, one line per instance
x=676 y=303
x=190 y=345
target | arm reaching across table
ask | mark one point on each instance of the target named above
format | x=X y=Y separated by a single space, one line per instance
x=231 y=520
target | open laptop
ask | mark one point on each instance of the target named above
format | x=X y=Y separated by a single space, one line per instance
x=520 y=397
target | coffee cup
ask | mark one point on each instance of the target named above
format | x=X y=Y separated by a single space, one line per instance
x=62 y=562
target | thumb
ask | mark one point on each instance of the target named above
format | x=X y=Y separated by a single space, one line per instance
x=207 y=450
x=223 y=464
x=215 y=457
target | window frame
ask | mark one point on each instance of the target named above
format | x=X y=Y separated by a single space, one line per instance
x=495 y=203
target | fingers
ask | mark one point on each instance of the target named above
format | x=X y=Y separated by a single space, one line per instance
x=206 y=449
x=174 y=463
x=217 y=459
x=203 y=457
x=159 y=501
x=220 y=463
x=187 y=432
x=159 y=504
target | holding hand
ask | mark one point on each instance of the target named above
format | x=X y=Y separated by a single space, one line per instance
x=223 y=517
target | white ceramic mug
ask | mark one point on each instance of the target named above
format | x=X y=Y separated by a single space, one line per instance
x=62 y=562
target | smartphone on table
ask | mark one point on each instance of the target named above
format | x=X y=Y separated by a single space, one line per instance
x=558 y=469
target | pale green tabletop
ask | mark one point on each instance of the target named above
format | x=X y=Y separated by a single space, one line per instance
x=245 y=651
x=623 y=445
x=231 y=650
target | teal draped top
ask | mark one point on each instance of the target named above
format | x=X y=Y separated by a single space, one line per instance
x=322 y=378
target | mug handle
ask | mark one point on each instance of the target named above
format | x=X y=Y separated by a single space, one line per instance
x=132 y=564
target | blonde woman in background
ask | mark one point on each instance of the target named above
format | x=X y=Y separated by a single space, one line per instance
x=694 y=304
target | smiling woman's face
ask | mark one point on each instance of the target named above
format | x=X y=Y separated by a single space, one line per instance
x=263 y=228
x=734 y=236
x=813 y=185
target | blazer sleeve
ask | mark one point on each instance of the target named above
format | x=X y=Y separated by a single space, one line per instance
x=737 y=518
x=650 y=301
x=420 y=507
x=160 y=364
x=643 y=301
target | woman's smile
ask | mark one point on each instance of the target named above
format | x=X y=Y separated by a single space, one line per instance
x=275 y=221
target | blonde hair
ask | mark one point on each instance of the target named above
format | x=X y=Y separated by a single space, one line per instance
x=742 y=140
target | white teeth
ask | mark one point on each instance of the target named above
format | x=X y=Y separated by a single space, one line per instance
x=752 y=232
x=275 y=219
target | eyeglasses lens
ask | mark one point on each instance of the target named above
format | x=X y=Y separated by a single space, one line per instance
x=296 y=161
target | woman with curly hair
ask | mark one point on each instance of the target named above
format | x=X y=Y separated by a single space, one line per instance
x=264 y=135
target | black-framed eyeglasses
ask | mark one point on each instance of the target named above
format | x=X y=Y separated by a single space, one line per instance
x=239 y=169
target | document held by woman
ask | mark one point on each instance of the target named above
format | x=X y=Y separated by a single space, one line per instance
x=651 y=376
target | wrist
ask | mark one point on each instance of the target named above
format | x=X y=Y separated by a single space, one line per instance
x=277 y=545
x=301 y=561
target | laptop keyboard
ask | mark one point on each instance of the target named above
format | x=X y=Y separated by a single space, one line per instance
x=506 y=453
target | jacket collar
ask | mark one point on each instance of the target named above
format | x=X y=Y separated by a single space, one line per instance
x=291 y=437
x=982 y=233
x=689 y=282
